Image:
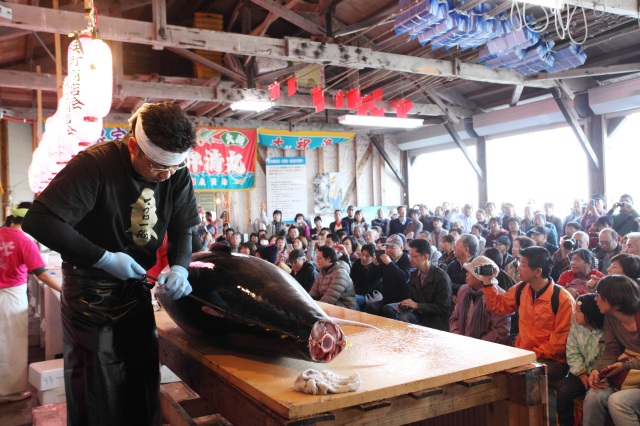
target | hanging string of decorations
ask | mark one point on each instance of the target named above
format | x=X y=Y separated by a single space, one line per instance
x=86 y=100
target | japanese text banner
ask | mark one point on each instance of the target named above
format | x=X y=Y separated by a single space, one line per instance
x=301 y=140
x=224 y=159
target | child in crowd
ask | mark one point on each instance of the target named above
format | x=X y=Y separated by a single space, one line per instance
x=585 y=343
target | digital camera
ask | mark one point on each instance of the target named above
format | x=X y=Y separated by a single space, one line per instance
x=485 y=270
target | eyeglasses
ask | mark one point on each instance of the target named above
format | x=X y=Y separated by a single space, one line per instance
x=170 y=170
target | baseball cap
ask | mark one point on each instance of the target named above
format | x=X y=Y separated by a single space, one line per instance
x=502 y=239
x=350 y=208
x=479 y=261
x=539 y=230
x=394 y=240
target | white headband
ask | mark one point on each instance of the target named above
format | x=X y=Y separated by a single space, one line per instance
x=154 y=152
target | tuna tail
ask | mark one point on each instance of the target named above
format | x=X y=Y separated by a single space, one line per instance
x=340 y=321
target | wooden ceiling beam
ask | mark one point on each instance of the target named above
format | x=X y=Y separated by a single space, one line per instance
x=290 y=49
x=286 y=14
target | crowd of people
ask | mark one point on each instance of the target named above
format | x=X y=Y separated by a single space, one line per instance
x=564 y=288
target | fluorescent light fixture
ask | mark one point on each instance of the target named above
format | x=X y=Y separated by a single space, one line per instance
x=255 y=105
x=372 y=121
x=551 y=4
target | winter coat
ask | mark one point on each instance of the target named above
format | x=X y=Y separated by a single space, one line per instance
x=334 y=286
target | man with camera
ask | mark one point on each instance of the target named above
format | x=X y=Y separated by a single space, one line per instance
x=545 y=310
x=395 y=267
x=430 y=292
x=625 y=221
x=470 y=316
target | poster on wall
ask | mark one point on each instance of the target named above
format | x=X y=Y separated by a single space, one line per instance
x=327 y=193
x=287 y=186
x=224 y=159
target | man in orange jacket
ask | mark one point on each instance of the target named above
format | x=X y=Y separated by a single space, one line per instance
x=543 y=326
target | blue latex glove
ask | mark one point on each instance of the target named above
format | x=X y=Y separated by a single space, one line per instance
x=120 y=265
x=175 y=283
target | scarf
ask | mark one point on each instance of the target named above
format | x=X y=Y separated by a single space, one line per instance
x=477 y=323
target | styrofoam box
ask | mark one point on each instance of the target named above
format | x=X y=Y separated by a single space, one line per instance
x=52 y=396
x=167 y=376
x=47 y=375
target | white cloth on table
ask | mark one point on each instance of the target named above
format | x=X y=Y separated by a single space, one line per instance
x=14 y=331
x=321 y=383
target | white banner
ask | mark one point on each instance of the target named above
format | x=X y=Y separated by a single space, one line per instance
x=287 y=186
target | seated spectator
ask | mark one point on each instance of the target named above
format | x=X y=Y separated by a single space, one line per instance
x=625 y=221
x=292 y=234
x=235 y=241
x=607 y=248
x=270 y=254
x=358 y=233
x=446 y=245
x=317 y=221
x=576 y=213
x=415 y=226
x=595 y=209
x=549 y=208
x=581 y=238
x=465 y=249
x=540 y=220
x=248 y=248
x=505 y=281
x=366 y=276
x=350 y=247
x=543 y=326
x=509 y=211
x=465 y=218
x=438 y=232
x=585 y=343
x=503 y=244
x=481 y=219
x=439 y=211
x=539 y=234
x=495 y=231
x=430 y=292
x=455 y=232
x=514 y=231
x=315 y=242
x=253 y=238
x=633 y=243
x=300 y=243
x=333 y=284
x=398 y=225
x=575 y=279
x=625 y=264
x=395 y=267
x=527 y=221
x=359 y=220
x=618 y=298
x=380 y=243
x=512 y=269
x=303 y=271
x=477 y=230
x=569 y=229
x=283 y=252
x=560 y=258
x=470 y=315
x=382 y=222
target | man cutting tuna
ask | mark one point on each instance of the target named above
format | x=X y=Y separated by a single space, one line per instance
x=107 y=213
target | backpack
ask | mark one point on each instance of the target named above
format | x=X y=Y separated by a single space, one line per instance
x=555 y=297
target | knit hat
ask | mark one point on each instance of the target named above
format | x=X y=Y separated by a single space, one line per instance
x=268 y=253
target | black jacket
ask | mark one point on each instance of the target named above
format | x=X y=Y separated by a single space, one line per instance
x=433 y=298
x=366 y=280
x=395 y=280
x=307 y=275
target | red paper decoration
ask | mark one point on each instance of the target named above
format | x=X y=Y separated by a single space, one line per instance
x=339 y=99
x=353 y=99
x=274 y=89
x=292 y=86
x=318 y=98
x=402 y=107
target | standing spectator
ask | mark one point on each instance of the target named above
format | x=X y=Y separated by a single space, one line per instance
x=625 y=221
x=303 y=271
x=359 y=220
x=338 y=223
x=542 y=329
x=584 y=345
x=465 y=219
x=395 y=267
x=618 y=298
x=333 y=284
x=492 y=210
x=430 y=292
x=301 y=225
x=317 y=221
x=382 y=222
x=595 y=209
x=397 y=226
x=18 y=257
x=276 y=225
x=347 y=222
x=470 y=315
x=366 y=276
x=509 y=211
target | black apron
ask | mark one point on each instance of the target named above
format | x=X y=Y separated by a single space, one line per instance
x=111 y=361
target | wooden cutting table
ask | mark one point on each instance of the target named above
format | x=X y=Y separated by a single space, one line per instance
x=409 y=373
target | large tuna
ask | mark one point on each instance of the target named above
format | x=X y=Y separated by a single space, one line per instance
x=253 y=304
